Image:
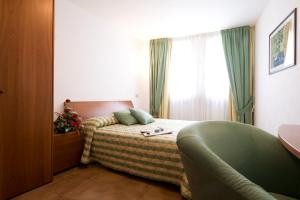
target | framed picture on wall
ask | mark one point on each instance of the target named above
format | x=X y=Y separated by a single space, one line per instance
x=282 y=44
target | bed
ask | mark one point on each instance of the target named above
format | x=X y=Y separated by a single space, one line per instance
x=125 y=149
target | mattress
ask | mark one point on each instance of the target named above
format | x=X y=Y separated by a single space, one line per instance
x=125 y=149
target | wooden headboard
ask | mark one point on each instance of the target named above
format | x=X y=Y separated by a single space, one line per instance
x=88 y=109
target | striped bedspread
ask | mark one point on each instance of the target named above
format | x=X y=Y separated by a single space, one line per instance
x=125 y=149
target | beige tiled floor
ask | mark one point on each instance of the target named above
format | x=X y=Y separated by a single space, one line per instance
x=97 y=183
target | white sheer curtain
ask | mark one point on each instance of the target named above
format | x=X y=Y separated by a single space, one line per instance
x=198 y=81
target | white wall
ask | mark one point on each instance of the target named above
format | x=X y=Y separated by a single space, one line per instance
x=277 y=96
x=93 y=61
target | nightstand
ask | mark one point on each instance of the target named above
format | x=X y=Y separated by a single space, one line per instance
x=67 y=150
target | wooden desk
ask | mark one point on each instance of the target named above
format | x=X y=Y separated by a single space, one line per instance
x=289 y=135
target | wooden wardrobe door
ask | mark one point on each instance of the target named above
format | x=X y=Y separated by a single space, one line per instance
x=26 y=74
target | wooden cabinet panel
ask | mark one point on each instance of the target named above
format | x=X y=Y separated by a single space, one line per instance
x=26 y=106
x=67 y=150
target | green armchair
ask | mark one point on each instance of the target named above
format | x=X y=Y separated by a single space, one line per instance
x=229 y=160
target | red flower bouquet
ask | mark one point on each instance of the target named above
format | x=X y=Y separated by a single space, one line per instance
x=67 y=121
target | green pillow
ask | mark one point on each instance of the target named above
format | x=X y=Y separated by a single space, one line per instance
x=124 y=117
x=141 y=116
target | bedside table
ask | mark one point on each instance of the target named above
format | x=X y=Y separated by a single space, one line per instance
x=67 y=150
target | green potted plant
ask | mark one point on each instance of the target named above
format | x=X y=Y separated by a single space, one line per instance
x=67 y=121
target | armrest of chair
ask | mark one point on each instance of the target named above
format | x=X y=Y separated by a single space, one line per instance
x=211 y=177
x=279 y=170
x=228 y=150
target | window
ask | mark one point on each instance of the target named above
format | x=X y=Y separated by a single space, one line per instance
x=198 y=80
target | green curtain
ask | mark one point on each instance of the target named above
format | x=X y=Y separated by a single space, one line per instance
x=159 y=51
x=236 y=44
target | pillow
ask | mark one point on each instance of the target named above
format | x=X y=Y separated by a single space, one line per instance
x=124 y=117
x=141 y=116
x=99 y=122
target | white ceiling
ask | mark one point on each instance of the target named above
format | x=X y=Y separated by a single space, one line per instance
x=146 y=19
